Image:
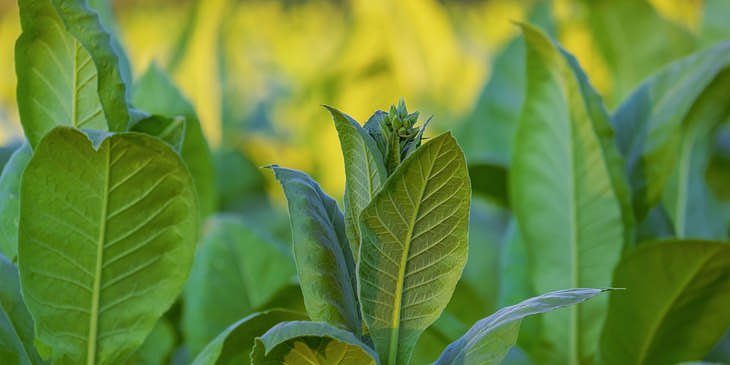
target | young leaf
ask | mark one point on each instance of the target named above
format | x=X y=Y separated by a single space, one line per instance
x=324 y=261
x=364 y=171
x=10 y=199
x=67 y=71
x=649 y=122
x=16 y=325
x=234 y=344
x=106 y=241
x=414 y=246
x=300 y=342
x=155 y=93
x=568 y=195
x=675 y=304
x=236 y=271
x=488 y=341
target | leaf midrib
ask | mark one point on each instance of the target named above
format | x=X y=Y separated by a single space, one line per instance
x=94 y=316
x=394 y=337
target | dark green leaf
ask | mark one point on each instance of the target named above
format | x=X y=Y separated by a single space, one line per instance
x=675 y=304
x=324 y=261
x=170 y=130
x=106 y=241
x=310 y=343
x=414 y=246
x=234 y=344
x=236 y=271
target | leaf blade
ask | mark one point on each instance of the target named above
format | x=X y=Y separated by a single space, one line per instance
x=395 y=268
x=113 y=246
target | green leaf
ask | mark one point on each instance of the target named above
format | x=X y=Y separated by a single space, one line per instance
x=155 y=93
x=675 y=304
x=231 y=258
x=615 y=24
x=106 y=241
x=490 y=181
x=234 y=344
x=568 y=195
x=9 y=199
x=16 y=325
x=364 y=171
x=67 y=71
x=488 y=341
x=649 y=123
x=312 y=343
x=325 y=265
x=170 y=130
x=414 y=246
x=693 y=208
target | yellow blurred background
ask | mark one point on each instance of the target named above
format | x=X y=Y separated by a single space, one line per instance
x=257 y=71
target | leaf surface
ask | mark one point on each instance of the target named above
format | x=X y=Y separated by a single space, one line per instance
x=414 y=246
x=10 y=199
x=234 y=344
x=675 y=304
x=59 y=81
x=364 y=171
x=488 y=341
x=236 y=271
x=313 y=343
x=325 y=263
x=16 y=325
x=649 y=123
x=568 y=195
x=106 y=241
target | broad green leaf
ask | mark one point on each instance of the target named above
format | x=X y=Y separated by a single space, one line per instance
x=568 y=196
x=488 y=341
x=156 y=94
x=9 y=199
x=16 y=325
x=414 y=246
x=675 y=304
x=649 y=123
x=60 y=81
x=170 y=130
x=106 y=18
x=236 y=271
x=364 y=171
x=693 y=208
x=234 y=344
x=314 y=343
x=717 y=173
x=106 y=241
x=325 y=264
x=634 y=41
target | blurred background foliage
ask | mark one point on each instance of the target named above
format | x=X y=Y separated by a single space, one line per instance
x=256 y=72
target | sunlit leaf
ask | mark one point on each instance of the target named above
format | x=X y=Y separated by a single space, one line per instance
x=106 y=241
x=414 y=246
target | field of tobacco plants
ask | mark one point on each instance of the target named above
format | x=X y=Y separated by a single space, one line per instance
x=560 y=221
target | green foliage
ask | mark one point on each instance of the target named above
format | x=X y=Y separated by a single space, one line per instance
x=94 y=246
x=10 y=200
